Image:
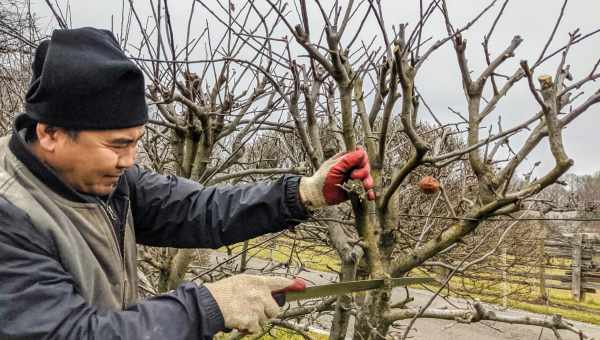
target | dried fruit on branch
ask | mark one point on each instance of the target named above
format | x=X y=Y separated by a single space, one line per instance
x=429 y=185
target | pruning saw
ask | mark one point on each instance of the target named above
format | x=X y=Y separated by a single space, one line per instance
x=299 y=291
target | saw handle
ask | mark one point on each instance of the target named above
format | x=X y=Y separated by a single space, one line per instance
x=298 y=285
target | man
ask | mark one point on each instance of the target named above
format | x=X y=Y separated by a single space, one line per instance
x=73 y=205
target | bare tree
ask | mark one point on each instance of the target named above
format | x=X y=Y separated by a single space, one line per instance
x=393 y=69
x=19 y=35
x=258 y=104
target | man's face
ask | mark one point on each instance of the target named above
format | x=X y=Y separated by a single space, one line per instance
x=92 y=162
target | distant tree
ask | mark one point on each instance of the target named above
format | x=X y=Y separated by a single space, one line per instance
x=19 y=35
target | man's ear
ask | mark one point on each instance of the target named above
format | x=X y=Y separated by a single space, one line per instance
x=47 y=137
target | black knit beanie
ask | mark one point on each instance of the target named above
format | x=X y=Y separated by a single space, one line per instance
x=82 y=80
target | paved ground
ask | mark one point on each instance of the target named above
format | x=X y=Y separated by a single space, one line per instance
x=432 y=329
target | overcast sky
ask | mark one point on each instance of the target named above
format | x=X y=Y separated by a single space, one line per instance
x=439 y=80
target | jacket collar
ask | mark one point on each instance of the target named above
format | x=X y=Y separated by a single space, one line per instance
x=18 y=146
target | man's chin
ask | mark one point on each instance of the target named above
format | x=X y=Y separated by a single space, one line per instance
x=99 y=190
x=105 y=190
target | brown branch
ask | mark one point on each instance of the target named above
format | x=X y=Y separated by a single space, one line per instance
x=347 y=122
x=418 y=30
x=532 y=88
x=379 y=17
x=57 y=16
x=166 y=124
x=346 y=18
x=562 y=72
x=592 y=100
x=554 y=29
x=507 y=53
x=302 y=39
x=366 y=126
x=532 y=141
x=486 y=43
x=311 y=95
x=300 y=311
x=447 y=200
x=460 y=46
x=362 y=23
x=491 y=105
x=480 y=313
x=275 y=171
x=427 y=225
x=390 y=102
x=410 y=165
x=549 y=90
x=479 y=144
x=381 y=92
x=406 y=76
x=449 y=236
x=577 y=85
x=258 y=92
x=194 y=108
x=564 y=47
x=294 y=111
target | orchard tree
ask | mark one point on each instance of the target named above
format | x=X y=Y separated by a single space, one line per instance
x=253 y=89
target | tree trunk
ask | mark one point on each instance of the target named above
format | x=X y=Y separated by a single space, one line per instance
x=339 y=326
x=370 y=323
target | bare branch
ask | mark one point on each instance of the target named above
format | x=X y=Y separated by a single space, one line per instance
x=508 y=53
x=558 y=20
x=532 y=88
x=480 y=313
x=275 y=171
x=59 y=18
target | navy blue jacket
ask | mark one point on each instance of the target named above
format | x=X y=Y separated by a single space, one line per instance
x=38 y=299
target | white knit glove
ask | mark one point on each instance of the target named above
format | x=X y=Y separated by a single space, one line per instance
x=246 y=301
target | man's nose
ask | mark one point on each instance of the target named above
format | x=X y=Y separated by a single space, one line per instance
x=127 y=158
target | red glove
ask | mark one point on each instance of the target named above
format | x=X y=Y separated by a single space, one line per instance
x=324 y=187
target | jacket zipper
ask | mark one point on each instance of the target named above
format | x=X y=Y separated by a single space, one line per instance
x=112 y=217
x=126 y=282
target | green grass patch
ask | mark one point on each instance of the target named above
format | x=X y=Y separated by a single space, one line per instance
x=304 y=254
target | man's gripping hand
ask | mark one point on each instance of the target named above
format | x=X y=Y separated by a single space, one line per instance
x=324 y=187
x=246 y=301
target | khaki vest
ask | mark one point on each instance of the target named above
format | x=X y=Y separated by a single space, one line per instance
x=82 y=235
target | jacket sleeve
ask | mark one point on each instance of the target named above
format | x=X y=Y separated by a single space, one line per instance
x=39 y=299
x=176 y=212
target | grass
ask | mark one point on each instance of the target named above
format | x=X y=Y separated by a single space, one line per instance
x=566 y=313
x=317 y=258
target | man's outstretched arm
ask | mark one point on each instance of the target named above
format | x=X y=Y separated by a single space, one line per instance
x=176 y=212
x=172 y=211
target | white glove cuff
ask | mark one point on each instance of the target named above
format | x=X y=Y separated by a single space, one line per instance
x=311 y=193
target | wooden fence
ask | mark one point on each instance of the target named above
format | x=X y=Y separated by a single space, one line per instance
x=569 y=263
x=582 y=275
